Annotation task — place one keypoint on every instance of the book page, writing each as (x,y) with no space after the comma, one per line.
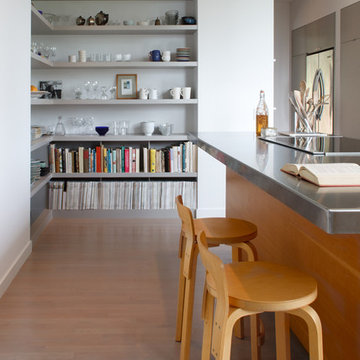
(336,174)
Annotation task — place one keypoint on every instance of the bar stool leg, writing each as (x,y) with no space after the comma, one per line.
(208,315)
(315,331)
(239,326)
(181,294)
(188,310)
(282,336)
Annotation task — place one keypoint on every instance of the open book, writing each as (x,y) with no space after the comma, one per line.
(336,174)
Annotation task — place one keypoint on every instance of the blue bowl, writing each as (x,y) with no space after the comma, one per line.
(188,20)
(102,130)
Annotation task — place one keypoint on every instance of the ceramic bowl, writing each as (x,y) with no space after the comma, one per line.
(147,127)
(188,20)
(101,130)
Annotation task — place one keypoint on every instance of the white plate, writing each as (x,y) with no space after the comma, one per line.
(38,94)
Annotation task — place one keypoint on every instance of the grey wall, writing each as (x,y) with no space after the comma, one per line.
(350,70)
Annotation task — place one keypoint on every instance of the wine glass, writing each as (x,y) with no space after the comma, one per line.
(103,95)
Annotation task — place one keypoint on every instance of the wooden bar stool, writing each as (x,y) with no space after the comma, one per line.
(234,232)
(248,288)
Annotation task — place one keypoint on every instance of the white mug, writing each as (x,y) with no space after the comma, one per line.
(143,93)
(175,93)
(186,93)
(153,94)
(166,55)
(72,58)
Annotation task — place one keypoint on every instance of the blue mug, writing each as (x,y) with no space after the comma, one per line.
(155,55)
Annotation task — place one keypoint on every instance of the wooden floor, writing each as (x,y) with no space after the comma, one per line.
(105,290)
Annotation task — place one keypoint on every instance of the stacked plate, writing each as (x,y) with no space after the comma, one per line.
(183,54)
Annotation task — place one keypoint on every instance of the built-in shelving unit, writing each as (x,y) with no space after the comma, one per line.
(182,111)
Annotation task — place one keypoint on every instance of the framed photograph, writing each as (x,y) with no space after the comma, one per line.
(126,86)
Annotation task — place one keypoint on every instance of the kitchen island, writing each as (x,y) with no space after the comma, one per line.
(316,230)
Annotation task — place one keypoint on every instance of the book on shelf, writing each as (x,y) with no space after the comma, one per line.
(326,174)
(100,159)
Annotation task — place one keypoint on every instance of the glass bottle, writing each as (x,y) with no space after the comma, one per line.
(262,114)
(60,128)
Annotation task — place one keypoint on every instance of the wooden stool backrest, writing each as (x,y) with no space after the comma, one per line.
(215,267)
(188,233)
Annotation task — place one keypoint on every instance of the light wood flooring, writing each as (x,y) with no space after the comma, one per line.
(96,289)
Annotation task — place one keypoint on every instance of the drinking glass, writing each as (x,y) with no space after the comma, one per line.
(123,127)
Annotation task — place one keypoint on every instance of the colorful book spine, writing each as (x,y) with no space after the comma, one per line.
(98,159)
(126,160)
(152,160)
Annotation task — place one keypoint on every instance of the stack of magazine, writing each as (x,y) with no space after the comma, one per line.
(120,195)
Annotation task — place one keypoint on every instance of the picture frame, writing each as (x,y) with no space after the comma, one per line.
(126,86)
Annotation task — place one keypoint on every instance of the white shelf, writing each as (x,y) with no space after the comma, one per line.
(39,25)
(39,184)
(125,64)
(60,102)
(122,175)
(39,62)
(40,142)
(124,30)
(119,138)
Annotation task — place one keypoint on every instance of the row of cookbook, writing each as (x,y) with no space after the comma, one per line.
(120,195)
(101,159)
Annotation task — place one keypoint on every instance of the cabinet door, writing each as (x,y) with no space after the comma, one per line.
(350,79)
(320,34)
(350,24)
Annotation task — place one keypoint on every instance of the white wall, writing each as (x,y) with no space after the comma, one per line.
(235,48)
(15,242)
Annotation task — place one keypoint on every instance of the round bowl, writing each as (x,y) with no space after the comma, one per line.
(101,130)
(188,20)
(147,127)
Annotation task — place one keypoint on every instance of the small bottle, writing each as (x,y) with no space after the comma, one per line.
(262,114)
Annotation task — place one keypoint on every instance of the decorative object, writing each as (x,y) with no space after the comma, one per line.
(157,21)
(309,109)
(90,21)
(126,86)
(53,87)
(102,130)
(101,18)
(80,21)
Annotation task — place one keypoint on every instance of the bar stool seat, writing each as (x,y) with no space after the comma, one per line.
(248,288)
(225,230)
(229,231)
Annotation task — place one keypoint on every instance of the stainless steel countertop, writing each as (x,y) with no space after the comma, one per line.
(336,210)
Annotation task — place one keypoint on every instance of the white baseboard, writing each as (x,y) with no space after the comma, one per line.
(15,267)
(201,213)
(40,224)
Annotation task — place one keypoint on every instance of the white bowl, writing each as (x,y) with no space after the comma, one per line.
(126,57)
(147,127)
